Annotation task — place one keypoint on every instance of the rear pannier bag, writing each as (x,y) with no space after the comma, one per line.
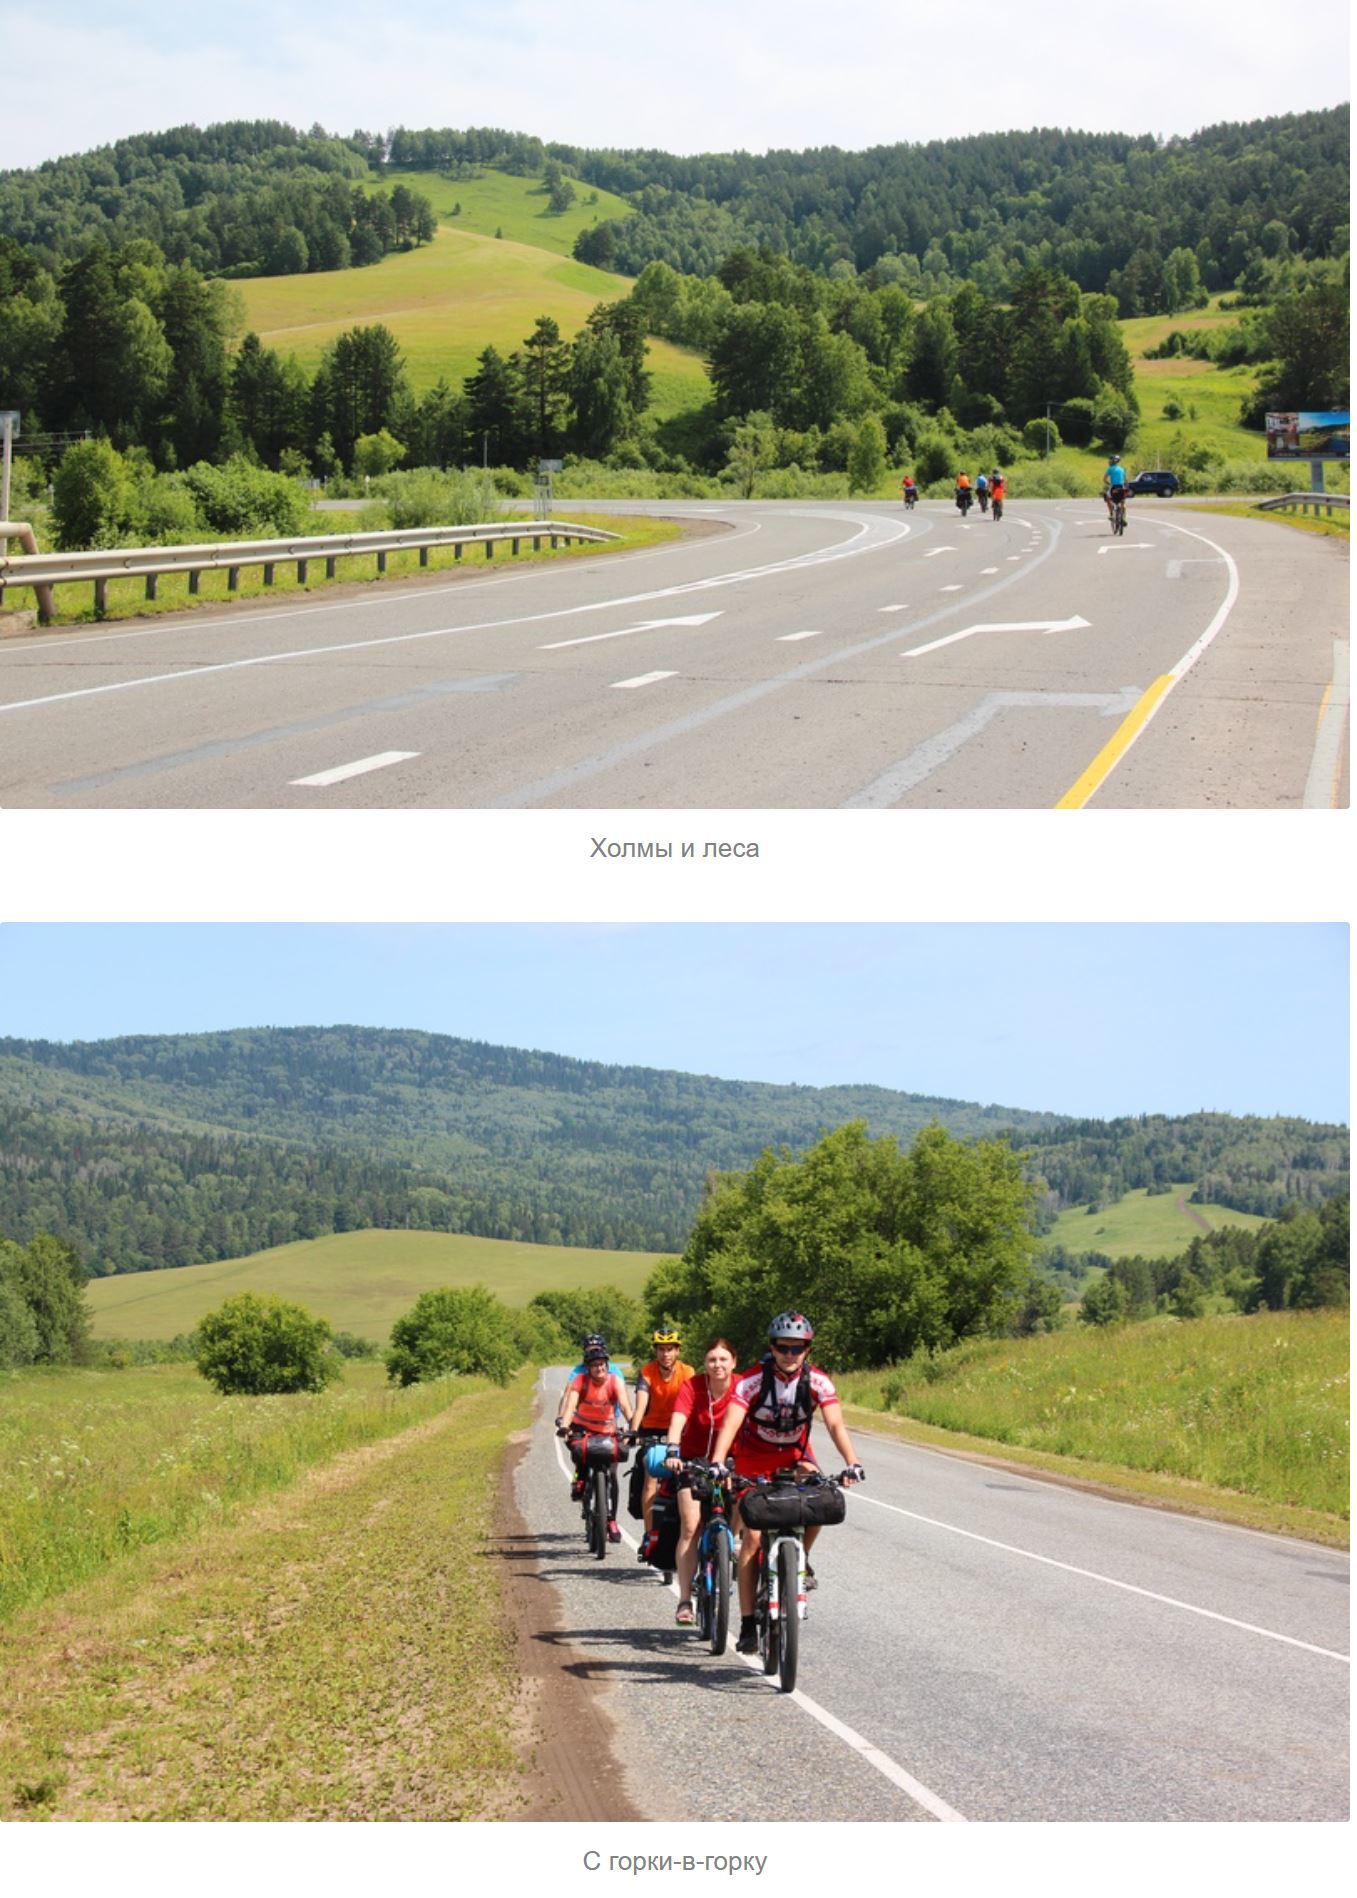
(785,1506)
(660,1546)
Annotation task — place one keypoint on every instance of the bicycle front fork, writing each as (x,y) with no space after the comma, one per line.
(775,1580)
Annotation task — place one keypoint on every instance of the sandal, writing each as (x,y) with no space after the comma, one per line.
(684,1615)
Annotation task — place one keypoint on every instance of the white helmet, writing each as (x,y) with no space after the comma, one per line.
(791,1324)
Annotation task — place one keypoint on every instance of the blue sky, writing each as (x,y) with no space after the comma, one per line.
(1097,1019)
(693,75)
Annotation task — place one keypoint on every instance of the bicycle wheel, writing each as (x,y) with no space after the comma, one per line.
(718,1576)
(598,1539)
(1121,517)
(790,1621)
(768,1628)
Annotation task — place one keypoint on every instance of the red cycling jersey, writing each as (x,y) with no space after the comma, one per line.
(597,1408)
(702,1416)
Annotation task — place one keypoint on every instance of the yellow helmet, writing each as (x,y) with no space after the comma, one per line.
(665,1337)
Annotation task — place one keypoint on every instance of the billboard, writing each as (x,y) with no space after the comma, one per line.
(1309,435)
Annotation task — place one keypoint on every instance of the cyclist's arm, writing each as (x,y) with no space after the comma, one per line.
(642,1402)
(568,1408)
(626,1406)
(730,1428)
(832,1416)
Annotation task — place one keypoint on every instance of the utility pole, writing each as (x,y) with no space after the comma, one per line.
(9,424)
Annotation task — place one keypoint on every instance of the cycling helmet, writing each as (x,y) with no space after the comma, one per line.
(791,1324)
(1116,460)
(596,1354)
(593,1341)
(997,475)
(665,1337)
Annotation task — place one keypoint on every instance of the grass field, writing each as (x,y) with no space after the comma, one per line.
(1153,1225)
(338,1650)
(446,301)
(497,201)
(1253,1407)
(360,1281)
(94,1464)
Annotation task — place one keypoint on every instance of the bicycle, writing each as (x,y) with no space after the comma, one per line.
(1119,515)
(782,1508)
(910,498)
(963,501)
(996,512)
(982,496)
(715,1553)
(602,1453)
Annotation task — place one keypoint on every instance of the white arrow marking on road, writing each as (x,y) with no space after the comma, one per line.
(1124,546)
(1000,626)
(645,678)
(645,626)
(932,551)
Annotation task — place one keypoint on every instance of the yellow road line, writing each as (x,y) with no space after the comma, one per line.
(1090,780)
(1323,705)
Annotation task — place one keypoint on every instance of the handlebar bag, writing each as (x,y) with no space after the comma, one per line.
(792,1506)
(601,1452)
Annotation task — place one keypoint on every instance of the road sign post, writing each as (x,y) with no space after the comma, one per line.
(9,427)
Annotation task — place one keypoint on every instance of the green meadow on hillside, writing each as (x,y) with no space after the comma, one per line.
(499,201)
(1151,1224)
(447,301)
(360,1281)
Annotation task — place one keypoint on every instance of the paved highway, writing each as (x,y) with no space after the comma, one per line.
(791,655)
(982,1646)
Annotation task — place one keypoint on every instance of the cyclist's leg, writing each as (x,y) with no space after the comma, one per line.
(612,1494)
(690,1518)
(746,1568)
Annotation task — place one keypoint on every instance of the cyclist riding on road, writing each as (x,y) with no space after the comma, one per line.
(767,1428)
(997,491)
(657,1385)
(909,491)
(1114,476)
(699,1410)
(592,1402)
(982,491)
(587,1343)
(964,497)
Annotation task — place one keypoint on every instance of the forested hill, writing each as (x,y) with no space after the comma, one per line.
(165,1150)
(1106,209)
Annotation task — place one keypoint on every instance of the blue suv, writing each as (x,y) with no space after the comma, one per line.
(1155,481)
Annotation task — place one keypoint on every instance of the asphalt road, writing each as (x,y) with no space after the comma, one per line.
(797,655)
(982,1646)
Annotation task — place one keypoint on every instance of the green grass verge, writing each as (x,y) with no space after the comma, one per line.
(94,1464)
(1242,1417)
(1151,1224)
(447,301)
(1337,528)
(127,598)
(341,1652)
(360,1281)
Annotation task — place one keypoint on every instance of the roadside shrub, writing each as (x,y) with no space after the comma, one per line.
(377,454)
(240,498)
(18,1332)
(465,1331)
(1041,436)
(349,1345)
(425,497)
(257,1345)
(932,461)
(163,511)
(92,494)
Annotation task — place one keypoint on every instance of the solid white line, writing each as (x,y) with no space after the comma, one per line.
(343,771)
(645,678)
(786,638)
(1109,1581)
(1322,784)
(883,1763)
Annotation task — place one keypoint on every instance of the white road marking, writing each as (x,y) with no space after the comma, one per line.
(904,608)
(1000,626)
(844,550)
(1109,1581)
(932,553)
(873,1756)
(1015,556)
(645,626)
(645,678)
(1124,546)
(342,771)
(787,638)
(1321,786)
(989,570)
(1174,569)
(955,588)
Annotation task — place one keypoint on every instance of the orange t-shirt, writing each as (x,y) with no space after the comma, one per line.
(663,1391)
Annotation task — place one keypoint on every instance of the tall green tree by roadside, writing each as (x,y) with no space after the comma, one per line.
(492,406)
(1308,339)
(360,388)
(256,1345)
(887,1252)
(43,1314)
(545,372)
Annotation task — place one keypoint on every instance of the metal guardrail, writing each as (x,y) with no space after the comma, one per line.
(42,572)
(1306,499)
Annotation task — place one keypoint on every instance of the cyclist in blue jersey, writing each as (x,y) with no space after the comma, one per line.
(1114,476)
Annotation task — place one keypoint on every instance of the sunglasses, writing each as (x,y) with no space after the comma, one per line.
(792,1347)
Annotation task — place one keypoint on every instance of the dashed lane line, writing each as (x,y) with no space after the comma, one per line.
(643,678)
(341,772)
